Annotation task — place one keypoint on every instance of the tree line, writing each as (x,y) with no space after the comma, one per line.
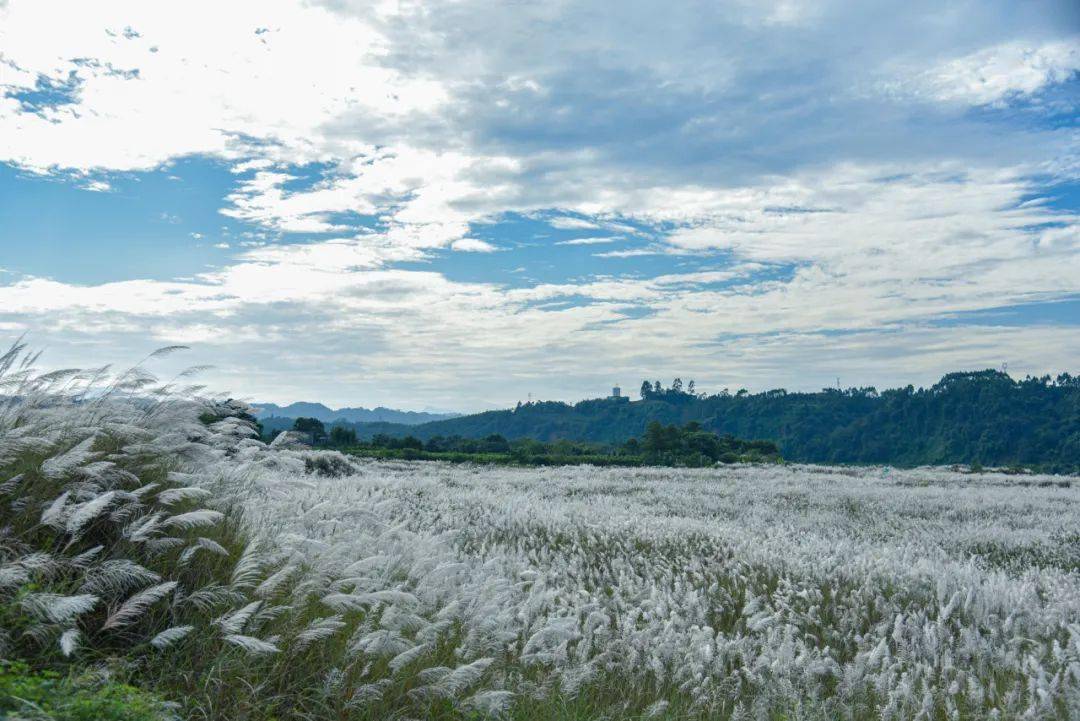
(689,445)
(980,417)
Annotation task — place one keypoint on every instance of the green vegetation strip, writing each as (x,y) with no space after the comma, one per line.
(688,446)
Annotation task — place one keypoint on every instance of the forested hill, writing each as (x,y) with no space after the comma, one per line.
(981,417)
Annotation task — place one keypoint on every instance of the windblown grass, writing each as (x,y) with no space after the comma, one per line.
(150,539)
(123,549)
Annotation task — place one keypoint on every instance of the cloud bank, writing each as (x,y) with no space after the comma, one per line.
(753,193)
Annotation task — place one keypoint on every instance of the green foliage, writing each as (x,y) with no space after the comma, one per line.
(661,446)
(48,696)
(983,416)
(691,445)
(311,427)
(342,436)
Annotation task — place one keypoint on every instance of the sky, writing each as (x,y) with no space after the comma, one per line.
(457,204)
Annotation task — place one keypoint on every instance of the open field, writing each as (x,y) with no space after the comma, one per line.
(800,590)
(160,545)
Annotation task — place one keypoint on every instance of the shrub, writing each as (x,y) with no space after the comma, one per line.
(25,694)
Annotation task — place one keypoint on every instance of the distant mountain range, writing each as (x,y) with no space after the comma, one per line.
(350,415)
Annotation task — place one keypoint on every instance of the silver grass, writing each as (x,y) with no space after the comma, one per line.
(59,375)
(558,630)
(39,562)
(656,709)
(464,676)
(490,703)
(84,559)
(369,693)
(42,634)
(116,577)
(286,440)
(381,643)
(11,484)
(353,601)
(57,608)
(170,636)
(85,513)
(319,630)
(768,617)
(254,646)
(55,513)
(399,619)
(11,356)
(208,598)
(99,471)
(346,601)
(143,490)
(194,519)
(127,432)
(426,694)
(203,544)
(353,583)
(432,632)
(409,656)
(333,682)
(267,614)
(573,678)
(13,575)
(276,581)
(433,674)
(177,495)
(70,641)
(586,570)
(249,566)
(58,466)
(137,605)
(142,529)
(162,544)
(234,622)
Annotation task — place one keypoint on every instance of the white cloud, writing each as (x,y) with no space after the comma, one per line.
(262,200)
(199,78)
(473,245)
(839,229)
(995,74)
(427,198)
(891,255)
(569,223)
(596,240)
(631,252)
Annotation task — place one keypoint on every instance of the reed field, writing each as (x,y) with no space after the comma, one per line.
(158,561)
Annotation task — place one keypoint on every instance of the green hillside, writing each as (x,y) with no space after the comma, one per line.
(982,417)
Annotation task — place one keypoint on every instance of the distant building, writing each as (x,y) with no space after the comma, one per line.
(616,395)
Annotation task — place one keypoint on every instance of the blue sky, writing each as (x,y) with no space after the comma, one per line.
(459,204)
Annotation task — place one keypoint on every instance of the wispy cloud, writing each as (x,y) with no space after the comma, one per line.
(631,252)
(993,75)
(570,223)
(813,191)
(473,245)
(595,240)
